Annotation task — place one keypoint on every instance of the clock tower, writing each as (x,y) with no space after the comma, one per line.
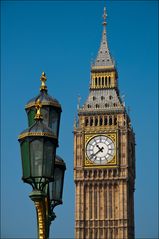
(104,156)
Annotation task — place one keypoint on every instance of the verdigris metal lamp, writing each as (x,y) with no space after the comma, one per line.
(56,187)
(42,169)
(38,150)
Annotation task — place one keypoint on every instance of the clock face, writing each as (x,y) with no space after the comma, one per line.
(100,149)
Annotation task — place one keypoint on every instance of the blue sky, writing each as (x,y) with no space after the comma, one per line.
(61,38)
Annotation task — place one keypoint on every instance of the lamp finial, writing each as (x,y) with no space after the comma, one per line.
(43,79)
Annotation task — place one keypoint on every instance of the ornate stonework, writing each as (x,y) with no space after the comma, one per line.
(105,176)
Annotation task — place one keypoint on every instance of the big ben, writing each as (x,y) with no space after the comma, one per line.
(104,156)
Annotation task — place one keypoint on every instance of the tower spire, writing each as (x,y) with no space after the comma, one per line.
(103,57)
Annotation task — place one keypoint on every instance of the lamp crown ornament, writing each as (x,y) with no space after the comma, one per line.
(43,80)
(38,106)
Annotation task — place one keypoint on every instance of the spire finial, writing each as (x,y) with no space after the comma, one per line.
(38,106)
(43,79)
(104,17)
(78,104)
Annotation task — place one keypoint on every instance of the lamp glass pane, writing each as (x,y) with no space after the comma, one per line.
(25,159)
(45,114)
(56,186)
(36,157)
(31,116)
(54,121)
(49,155)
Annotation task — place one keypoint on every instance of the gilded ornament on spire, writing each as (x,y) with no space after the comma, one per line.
(43,79)
(38,106)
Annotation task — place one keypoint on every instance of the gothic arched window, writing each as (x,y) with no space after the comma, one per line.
(106,80)
(96,121)
(110,120)
(101,121)
(115,120)
(96,81)
(105,121)
(109,81)
(97,106)
(102,97)
(91,121)
(102,80)
(89,106)
(86,122)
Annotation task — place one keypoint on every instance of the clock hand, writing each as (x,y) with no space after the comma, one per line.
(100,149)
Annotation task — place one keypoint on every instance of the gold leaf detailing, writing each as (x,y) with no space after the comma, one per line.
(41,219)
(32,104)
(43,80)
(38,106)
(29,134)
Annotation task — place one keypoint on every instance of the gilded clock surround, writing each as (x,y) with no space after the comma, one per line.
(112,163)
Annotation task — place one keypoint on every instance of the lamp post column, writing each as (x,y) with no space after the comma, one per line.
(38,198)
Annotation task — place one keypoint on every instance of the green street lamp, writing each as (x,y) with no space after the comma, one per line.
(56,187)
(38,150)
(41,168)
